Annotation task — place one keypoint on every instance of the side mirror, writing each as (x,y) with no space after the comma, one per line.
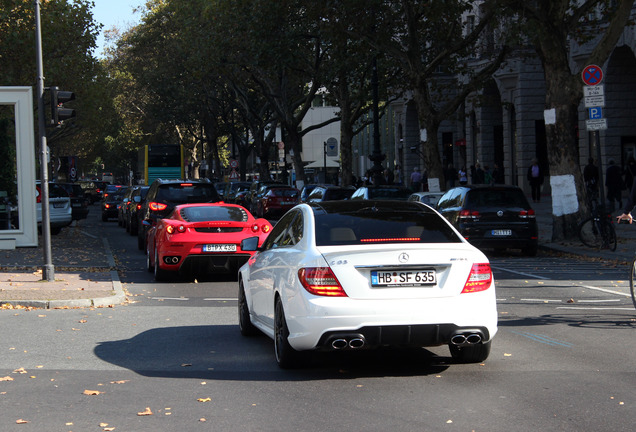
(249,244)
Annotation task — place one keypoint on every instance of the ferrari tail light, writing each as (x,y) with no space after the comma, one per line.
(171,229)
(320,281)
(264,228)
(479,279)
(155,206)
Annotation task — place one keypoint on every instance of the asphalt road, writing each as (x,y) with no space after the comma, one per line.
(562,360)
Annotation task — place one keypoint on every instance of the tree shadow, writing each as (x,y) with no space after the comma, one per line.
(221,353)
(604,321)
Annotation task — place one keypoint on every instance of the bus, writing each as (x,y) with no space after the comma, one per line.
(162,161)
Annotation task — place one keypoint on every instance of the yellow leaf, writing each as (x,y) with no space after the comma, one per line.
(92,392)
(20,421)
(204,400)
(7,378)
(147,412)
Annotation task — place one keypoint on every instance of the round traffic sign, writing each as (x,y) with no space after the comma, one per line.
(234,163)
(592,75)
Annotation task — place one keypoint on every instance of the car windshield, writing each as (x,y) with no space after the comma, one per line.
(496,198)
(183,193)
(214,213)
(372,225)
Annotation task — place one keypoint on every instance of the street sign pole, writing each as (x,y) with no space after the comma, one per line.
(48,271)
(594,94)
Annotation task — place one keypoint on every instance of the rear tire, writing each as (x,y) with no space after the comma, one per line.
(245,324)
(286,356)
(160,274)
(632,281)
(471,353)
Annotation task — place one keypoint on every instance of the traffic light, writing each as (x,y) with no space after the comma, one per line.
(58,112)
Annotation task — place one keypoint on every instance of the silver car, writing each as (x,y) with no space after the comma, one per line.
(60,210)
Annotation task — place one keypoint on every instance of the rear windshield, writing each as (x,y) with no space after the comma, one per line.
(183,193)
(57,191)
(284,193)
(389,193)
(370,226)
(337,194)
(496,198)
(214,213)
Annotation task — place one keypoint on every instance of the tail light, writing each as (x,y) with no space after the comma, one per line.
(264,228)
(38,195)
(527,214)
(320,281)
(155,206)
(469,214)
(171,229)
(138,206)
(479,279)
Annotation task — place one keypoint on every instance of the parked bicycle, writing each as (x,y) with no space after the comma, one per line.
(597,231)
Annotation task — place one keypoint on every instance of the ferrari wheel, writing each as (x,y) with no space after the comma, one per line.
(160,274)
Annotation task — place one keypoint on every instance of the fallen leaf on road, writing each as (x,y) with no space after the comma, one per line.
(507,355)
(119,382)
(147,412)
(20,371)
(202,420)
(20,421)
(92,392)
(7,378)
(204,399)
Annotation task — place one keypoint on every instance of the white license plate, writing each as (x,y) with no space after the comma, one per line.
(501,232)
(403,278)
(219,248)
(59,205)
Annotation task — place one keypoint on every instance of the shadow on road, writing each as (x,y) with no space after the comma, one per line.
(220,353)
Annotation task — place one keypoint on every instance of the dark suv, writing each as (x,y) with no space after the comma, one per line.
(164,195)
(497,217)
(79,201)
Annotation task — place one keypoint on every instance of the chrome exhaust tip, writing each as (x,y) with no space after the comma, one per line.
(356,343)
(339,344)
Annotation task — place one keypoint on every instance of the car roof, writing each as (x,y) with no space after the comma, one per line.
(348,206)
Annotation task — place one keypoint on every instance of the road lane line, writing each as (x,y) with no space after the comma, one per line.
(519,273)
(220,299)
(169,298)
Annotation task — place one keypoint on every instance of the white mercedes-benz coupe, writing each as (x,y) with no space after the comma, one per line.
(354,275)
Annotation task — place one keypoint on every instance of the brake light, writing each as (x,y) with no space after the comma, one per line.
(527,214)
(38,195)
(155,206)
(171,229)
(186,184)
(138,206)
(469,214)
(479,279)
(320,281)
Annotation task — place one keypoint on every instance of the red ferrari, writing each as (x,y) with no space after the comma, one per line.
(202,238)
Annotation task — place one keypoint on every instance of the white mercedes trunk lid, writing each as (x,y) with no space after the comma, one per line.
(400,266)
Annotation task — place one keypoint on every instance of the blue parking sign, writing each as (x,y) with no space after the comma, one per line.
(595,113)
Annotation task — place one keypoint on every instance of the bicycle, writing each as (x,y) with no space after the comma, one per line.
(597,231)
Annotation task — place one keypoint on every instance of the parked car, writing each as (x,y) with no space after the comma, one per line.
(134,205)
(275,200)
(79,201)
(233,189)
(60,210)
(164,195)
(382,192)
(496,216)
(351,275)
(429,198)
(198,239)
(113,196)
(330,193)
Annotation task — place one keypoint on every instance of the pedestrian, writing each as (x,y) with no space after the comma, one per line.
(590,176)
(498,175)
(450,174)
(398,175)
(416,180)
(614,184)
(629,205)
(630,172)
(463,177)
(487,175)
(535,177)
(479,177)
(388,176)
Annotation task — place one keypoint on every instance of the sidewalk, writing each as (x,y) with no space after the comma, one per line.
(86,274)
(84,267)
